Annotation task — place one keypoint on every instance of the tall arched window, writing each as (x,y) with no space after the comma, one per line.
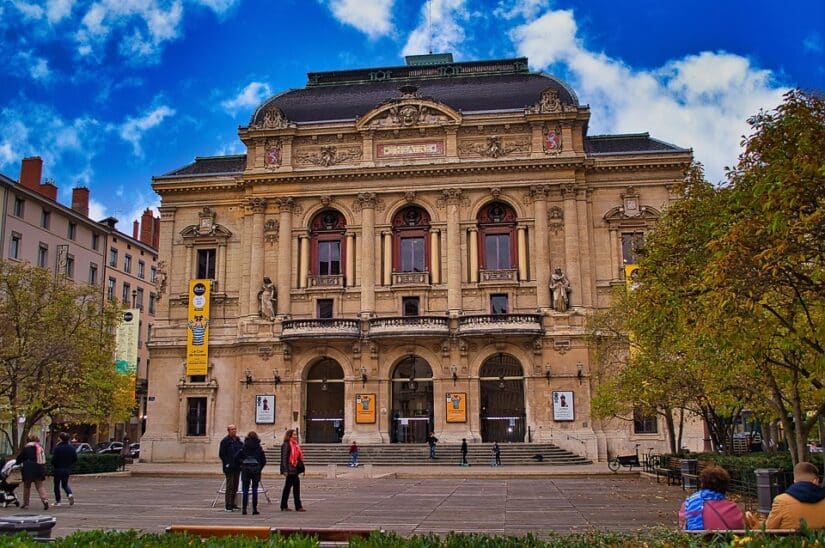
(410,227)
(328,243)
(496,232)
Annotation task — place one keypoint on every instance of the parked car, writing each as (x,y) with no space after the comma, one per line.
(109,447)
(134,450)
(815,447)
(82,448)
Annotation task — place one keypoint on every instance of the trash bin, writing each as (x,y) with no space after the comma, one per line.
(35,525)
(690,469)
(769,483)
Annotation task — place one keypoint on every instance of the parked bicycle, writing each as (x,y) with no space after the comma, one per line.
(628,461)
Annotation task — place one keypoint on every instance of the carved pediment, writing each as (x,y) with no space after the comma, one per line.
(273,118)
(644,213)
(206,229)
(409,111)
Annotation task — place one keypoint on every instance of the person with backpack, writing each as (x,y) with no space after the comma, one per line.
(63,458)
(251,461)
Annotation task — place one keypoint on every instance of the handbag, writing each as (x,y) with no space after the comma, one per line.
(300,469)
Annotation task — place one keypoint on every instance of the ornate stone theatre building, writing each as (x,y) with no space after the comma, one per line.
(402,250)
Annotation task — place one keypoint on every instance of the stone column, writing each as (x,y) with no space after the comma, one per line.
(256,257)
(583,206)
(614,261)
(286,205)
(190,260)
(303,261)
(571,244)
(472,236)
(387,258)
(452,198)
(522,253)
(350,260)
(365,202)
(542,267)
(435,258)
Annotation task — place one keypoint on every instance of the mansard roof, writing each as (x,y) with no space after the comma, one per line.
(627,143)
(478,86)
(211,165)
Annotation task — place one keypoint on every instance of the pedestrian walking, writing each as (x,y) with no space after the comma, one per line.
(64,456)
(292,466)
(124,451)
(33,459)
(497,453)
(353,455)
(432,441)
(251,461)
(229,447)
(464,450)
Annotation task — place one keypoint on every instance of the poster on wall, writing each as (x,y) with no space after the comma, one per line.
(563,409)
(265,409)
(456,407)
(127,335)
(365,408)
(197,326)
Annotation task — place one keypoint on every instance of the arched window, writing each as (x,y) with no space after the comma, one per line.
(410,227)
(328,243)
(496,232)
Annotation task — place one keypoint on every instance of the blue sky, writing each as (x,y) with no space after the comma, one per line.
(112,92)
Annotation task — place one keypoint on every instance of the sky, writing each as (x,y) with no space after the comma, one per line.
(113,92)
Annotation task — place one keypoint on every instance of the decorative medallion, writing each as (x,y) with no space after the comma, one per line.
(548,102)
(552,141)
(272,154)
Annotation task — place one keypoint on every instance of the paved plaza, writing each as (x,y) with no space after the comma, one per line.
(437,503)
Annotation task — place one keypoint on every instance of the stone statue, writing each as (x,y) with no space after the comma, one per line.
(268,300)
(560,287)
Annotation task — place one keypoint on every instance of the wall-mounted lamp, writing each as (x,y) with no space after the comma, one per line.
(363,376)
(248,377)
(454,371)
(501,382)
(579,371)
(547,373)
(324,384)
(276,377)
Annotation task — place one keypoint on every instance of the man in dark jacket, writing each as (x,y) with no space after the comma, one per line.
(231,444)
(63,458)
(464,450)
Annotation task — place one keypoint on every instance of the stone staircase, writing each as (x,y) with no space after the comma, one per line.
(402,454)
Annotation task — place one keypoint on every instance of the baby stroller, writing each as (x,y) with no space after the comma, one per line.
(10,477)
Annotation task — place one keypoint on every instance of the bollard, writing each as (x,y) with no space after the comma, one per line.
(690,469)
(331,471)
(769,483)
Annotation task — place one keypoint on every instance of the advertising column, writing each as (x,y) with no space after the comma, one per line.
(197,338)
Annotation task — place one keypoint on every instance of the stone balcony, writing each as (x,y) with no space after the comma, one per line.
(500,324)
(410,326)
(336,328)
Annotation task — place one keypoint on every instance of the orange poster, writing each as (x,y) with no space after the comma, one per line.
(456,407)
(364,408)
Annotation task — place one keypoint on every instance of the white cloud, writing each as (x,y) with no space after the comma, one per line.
(133,129)
(372,17)
(29,11)
(526,9)
(57,10)
(440,28)
(251,96)
(701,101)
(218,6)
(40,70)
(139,202)
(813,42)
(97,210)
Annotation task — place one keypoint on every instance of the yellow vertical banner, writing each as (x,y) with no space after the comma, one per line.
(126,346)
(365,408)
(456,407)
(197,327)
(630,273)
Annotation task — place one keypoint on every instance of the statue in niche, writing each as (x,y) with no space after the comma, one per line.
(560,287)
(268,300)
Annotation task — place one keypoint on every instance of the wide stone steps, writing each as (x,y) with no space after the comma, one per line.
(418,454)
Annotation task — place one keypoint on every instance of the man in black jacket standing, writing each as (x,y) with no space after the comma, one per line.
(63,457)
(230,445)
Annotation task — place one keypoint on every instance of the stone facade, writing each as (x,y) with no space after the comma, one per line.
(412,248)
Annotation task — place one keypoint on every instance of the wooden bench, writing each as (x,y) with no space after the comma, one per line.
(206,531)
(670,469)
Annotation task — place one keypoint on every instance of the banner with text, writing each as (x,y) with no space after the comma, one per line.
(126,345)
(197,338)
(365,408)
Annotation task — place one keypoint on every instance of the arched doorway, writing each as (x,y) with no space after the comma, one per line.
(502,399)
(325,402)
(412,401)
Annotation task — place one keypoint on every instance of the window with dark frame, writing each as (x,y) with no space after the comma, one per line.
(139,298)
(43,256)
(152,299)
(113,257)
(644,423)
(496,231)
(410,306)
(410,227)
(127,263)
(70,266)
(153,274)
(92,274)
(46,219)
(14,245)
(110,289)
(19,207)
(632,242)
(125,299)
(72,234)
(95,241)
(206,264)
(195,416)
(498,304)
(329,258)
(328,251)
(324,308)
(497,251)
(141,270)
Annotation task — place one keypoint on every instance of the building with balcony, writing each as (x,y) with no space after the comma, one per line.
(403,250)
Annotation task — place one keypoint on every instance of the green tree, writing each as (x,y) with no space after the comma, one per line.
(56,352)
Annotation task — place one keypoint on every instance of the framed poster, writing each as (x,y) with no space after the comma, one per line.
(563,408)
(265,409)
(365,408)
(456,407)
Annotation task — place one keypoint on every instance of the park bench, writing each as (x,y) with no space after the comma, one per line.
(700,465)
(670,469)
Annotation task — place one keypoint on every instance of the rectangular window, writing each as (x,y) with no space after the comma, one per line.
(329,258)
(127,263)
(498,304)
(113,257)
(412,255)
(153,274)
(410,306)
(152,299)
(45,219)
(631,243)
(644,423)
(72,234)
(92,274)
(110,289)
(497,252)
(206,264)
(43,256)
(125,296)
(324,309)
(141,270)
(14,245)
(19,207)
(195,416)
(70,266)
(95,241)
(139,298)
